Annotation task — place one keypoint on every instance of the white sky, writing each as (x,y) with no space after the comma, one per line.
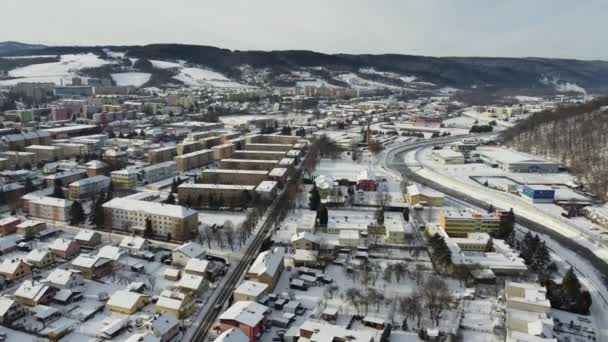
(548,28)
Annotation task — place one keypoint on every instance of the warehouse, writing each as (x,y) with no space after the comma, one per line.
(248,164)
(209,195)
(240,177)
(193,160)
(265,155)
(538,193)
(448,157)
(513,161)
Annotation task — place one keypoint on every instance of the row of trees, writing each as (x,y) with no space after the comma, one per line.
(440,253)
(569,295)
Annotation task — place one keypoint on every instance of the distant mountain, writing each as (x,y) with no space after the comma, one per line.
(288,68)
(11,47)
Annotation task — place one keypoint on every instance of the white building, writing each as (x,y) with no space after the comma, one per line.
(528,312)
(87,187)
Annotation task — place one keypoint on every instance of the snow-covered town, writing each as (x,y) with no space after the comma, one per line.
(158,199)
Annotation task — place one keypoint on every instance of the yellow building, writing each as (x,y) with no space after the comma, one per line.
(125,179)
(126,302)
(417,194)
(177,303)
(460,222)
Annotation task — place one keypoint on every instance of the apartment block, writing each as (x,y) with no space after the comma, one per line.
(248,164)
(168,221)
(161,154)
(269,147)
(193,160)
(264,155)
(223,151)
(45,152)
(240,177)
(50,208)
(204,195)
(89,187)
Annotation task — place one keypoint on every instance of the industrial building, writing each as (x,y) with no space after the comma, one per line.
(513,161)
(448,156)
(417,194)
(538,193)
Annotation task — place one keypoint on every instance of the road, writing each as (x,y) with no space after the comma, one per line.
(225,289)
(594,276)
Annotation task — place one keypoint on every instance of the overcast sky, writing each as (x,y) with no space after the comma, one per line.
(544,28)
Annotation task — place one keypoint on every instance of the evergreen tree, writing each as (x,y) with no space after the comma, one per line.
(96,216)
(58,189)
(323,216)
(380,216)
(584,303)
(29,186)
(174,186)
(2,196)
(148,230)
(489,245)
(314,200)
(490,209)
(571,286)
(541,258)
(170,199)
(76,213)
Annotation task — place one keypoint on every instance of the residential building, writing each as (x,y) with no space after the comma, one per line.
(162,154)
(199,267)
(182,254)
(208,195)
(125,179)
(64,248)
(306,240)
(248,316)
(31,294)
(65,177)
(223,151)
(181,305)
(239,177)
(397,231)
(13,269)
(267,267)
(164,326)
(116,159)
(158,172)
(193,160)
(134,244)
(39,258)
(65,279)
(166,220)
(232,335)
(191,284)
(126,302)
(250,290)
(89,187)
(264,155)
(8,225)
(92,266)
(88,238)
(45,152)
(10,310)
(248,164)
(313,330)
(50,208)
(97,168)
(528,313)
(29,228)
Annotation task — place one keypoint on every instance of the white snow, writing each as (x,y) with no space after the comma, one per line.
(360,83)
(164,64)
(68,66)
(32,56)
(136,79)
(115,54)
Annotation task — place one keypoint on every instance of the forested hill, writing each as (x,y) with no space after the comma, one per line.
(575,135)
(493,74)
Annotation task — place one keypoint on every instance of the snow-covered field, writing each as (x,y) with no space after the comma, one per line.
(68,66)
(135,79)
(198,77)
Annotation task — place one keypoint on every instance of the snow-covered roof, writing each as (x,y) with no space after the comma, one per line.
(217,186)
(60,244)
(37,255)
(30,290)
(124,299)
(110,252)
(197,265)
(60,276)
(191,249)
(9,266)
(96,164)
(232,335)
(6,303)
(171,299)
(51,201)
(306,236)
(162,323)
(89,180)
(323,331)
(266,186)
(324,182)
(133,242)
(85,235)
(151,208)
(251,288)
(190,282)
(245,312)
(277,172)
(267,262)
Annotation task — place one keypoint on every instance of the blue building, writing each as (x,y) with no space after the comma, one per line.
(539,193)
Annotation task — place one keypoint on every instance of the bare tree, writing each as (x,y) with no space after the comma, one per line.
(400,270)
(437,297)
(229,233)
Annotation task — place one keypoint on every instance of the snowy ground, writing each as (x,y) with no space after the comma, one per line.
(135,79)
(68,66)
